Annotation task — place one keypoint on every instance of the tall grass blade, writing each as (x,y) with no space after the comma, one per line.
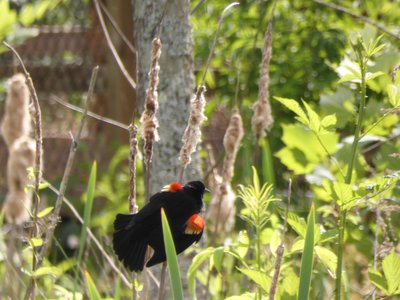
(308,257)
(172,260)
(94,294)
(86,219)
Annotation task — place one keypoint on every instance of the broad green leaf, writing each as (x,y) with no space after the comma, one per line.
(172,260)
(307,259)
(391,269)
(92,289)
(218,257)
(295,107)
(258,277)
(328,121)
(378,280)
(243,244)
(298,224)
(45,212)
(328,258)
(328,235)
(343,192)
(370,76)
(394,95)
(314,122)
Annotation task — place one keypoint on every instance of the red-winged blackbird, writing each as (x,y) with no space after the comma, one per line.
(133,233)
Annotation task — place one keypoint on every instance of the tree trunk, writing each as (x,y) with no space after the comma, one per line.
(176,83)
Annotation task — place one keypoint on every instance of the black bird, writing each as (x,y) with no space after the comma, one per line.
(134,232)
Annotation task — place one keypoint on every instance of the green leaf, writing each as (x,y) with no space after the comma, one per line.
(172,260)
(298,224)
(258,277)
(328,235)
(307,258)
(370,76)
(394,95)
(92,289)
(391,269)
(344,193)
(328,121)
(295,107)
(314,122)
(42,271)
(197,261)
(245,296)
(36,242)
(217,257)
(328,258)
(378,280)
(45,212)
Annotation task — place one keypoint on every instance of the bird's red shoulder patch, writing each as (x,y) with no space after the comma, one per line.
(194,225)
(172,187)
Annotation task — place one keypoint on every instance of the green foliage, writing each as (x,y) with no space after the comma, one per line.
(388,282)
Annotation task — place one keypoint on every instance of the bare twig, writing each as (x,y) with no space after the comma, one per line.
(162,281)
(281,249)
(360,17)
(197,6)
(117,28)
(90,114)
(210,55)
(63,185)
(112,47)
(38,158)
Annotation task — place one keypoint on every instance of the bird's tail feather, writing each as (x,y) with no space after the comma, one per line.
(130,248)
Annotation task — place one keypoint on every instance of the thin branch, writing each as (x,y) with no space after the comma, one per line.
(210,55)
(360,17)
(38,159)
(90,114)
(281,249)
(92,236)
(63,185)
(112,47)
(197,6)
(117,28)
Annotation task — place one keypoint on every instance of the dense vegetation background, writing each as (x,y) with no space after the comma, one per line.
(332,149)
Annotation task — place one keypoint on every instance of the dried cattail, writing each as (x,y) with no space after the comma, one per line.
(232,139)
(221,209)
(192,134)
(148,120)
(21,158)
(262,118)
(17,120)
(17,205)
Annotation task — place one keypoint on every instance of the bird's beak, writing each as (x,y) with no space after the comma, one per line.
(207,190)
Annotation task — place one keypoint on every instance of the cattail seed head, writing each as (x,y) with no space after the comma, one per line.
(17,120)
(232,139)
(148,120)
(192,135)
(17,205)
(262,119)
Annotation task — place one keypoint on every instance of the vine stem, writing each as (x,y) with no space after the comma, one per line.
(343,211)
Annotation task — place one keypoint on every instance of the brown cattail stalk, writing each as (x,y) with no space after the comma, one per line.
(192,135)
(15,128)
(148,120)
(133,151)
(17,120)
(222,204)
(262,119)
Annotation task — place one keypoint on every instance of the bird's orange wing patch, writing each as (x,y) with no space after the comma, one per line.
(194,225)
(172,187)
